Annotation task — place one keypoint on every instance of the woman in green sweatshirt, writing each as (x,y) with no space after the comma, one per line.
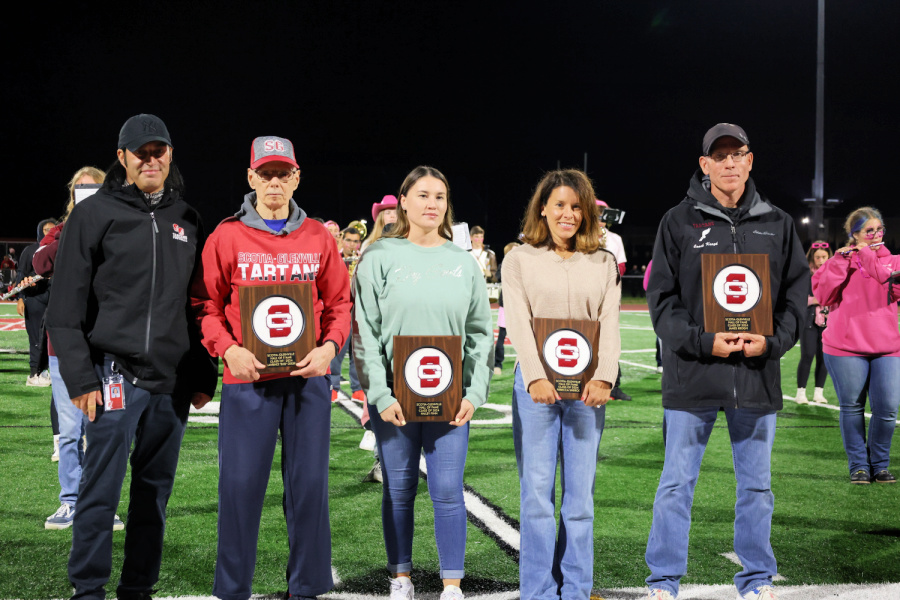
(416,281)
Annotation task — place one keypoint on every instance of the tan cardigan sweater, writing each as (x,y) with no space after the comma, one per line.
(537,282)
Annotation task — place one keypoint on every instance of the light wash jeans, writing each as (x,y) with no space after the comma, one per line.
(687,432)
(445,449)
(568,433)
(849,374)
(71,429)
(337,362)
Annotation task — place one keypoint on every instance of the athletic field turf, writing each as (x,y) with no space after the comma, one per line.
(825,532)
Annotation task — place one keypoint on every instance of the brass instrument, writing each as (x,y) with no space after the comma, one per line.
(360,226)
(351,261)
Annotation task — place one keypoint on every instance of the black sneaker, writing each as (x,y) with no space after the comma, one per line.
(618,394)
(861,476)
(884,476)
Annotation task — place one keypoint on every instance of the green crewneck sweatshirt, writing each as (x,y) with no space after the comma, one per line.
(405,289)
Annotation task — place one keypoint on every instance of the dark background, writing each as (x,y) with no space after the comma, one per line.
(491,93)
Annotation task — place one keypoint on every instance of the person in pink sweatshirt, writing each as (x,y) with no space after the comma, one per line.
(862,342)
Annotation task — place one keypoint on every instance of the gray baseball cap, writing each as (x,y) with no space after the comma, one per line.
(143,128)
(268,148)
(723,130)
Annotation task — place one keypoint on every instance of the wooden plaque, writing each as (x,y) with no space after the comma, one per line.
(568,349)
(277,324)
(428,376)
(737,293)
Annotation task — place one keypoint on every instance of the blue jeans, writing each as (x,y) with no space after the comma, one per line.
(336,363)
(445,449)
(687,432)
(850,375)
(567,432)
(71,428)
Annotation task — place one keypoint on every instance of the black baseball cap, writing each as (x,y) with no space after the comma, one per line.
(723,130)
(143,128)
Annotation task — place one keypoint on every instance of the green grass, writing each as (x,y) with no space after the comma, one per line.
(824,531)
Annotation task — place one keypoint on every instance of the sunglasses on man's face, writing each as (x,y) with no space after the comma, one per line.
(818,245)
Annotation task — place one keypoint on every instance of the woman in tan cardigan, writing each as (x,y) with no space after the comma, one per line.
(560,272)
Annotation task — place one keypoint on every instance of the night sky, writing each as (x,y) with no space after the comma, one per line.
(491,93)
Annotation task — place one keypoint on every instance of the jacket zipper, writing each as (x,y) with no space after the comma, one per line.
(734,367)
(152,284)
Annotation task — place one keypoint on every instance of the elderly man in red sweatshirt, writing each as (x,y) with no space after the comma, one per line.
(271,240)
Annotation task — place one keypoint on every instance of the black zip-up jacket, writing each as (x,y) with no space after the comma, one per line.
(121,289)
(692,376)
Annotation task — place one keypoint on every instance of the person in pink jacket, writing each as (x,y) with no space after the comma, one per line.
(862,342)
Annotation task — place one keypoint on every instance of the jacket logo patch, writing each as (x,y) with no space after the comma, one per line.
(703,225)
(179,233)
(704,233)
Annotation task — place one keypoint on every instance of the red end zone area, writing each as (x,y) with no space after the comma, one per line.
(12,324)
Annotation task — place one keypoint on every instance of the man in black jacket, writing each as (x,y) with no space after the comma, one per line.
(706,372)
(129,352)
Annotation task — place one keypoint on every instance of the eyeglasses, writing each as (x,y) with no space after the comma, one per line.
(736,156)
(269,175)
(144,154)
(871,233)
(818,245)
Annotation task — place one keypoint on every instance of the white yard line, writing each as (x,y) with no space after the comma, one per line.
(505,409)
(843,591)
(830,407)
(634,364)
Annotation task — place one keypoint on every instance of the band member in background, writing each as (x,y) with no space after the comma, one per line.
(560,272)
(71,419)
(350,255)
(271,240)
(811,334)
(384,214)
(486,257)
(129,352)
(862,343)
(707,372)
(415,281)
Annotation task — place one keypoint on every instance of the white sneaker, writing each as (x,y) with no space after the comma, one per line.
(118,525)
(402,589)
(451,592)
(659,594)
(367,442)
(37,381)
(659,370)
(763,592)
(45,376)
(819,396)
(497,371)
(801,396)
(62,518)
(55,456)
(375,473)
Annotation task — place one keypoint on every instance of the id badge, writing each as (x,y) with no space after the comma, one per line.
(114,392)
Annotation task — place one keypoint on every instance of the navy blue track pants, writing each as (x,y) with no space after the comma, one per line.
(250,417)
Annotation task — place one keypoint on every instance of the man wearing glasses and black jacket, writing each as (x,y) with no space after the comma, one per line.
(705,372)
